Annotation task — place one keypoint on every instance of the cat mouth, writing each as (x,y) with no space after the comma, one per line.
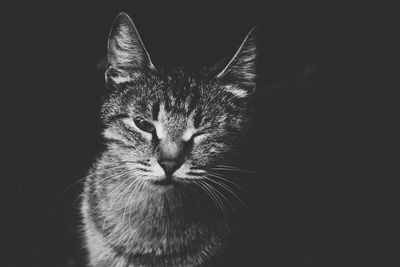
(165,181)
(171,181)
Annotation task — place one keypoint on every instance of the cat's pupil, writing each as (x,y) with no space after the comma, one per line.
(144,125)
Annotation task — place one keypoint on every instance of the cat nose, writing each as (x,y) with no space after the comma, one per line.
(169,166)
(170,158)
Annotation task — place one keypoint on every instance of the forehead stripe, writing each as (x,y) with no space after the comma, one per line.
(156,110)
(197,118)
(194,100)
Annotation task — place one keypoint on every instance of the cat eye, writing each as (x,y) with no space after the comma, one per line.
(144,125)
(197,134)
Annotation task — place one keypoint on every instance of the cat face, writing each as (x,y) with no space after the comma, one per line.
(174,126)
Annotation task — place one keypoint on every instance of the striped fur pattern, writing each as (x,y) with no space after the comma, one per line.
(133,215)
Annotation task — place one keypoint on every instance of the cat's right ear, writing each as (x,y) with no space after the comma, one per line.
(239,75)
(127,57)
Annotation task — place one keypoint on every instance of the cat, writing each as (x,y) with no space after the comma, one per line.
(152,197)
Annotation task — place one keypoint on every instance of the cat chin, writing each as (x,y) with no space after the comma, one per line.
(171,181)
(164,181)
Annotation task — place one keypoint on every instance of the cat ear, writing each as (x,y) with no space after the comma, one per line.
(239,75)
(127,56)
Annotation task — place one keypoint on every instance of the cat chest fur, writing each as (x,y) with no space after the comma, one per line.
(157,230)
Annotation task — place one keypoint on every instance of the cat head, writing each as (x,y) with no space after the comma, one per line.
(175,125)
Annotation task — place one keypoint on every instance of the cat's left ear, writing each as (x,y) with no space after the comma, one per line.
(239,75)
(126,54)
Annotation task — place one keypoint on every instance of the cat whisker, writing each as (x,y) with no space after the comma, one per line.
(134,184)
(89,175)
(227,188)
(105,179)
(117,199)
(219,194)
(226,179)
(138,188)
(235,169)
(215,198)
(127,173)
(223,197)
(122,164)
(219,191)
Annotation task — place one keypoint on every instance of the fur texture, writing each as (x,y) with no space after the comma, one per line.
(135,212)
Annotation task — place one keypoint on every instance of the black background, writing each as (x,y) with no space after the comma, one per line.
(324,124)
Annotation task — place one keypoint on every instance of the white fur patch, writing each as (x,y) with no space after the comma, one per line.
(129,122)
(119,76)
(156,170)
(160,130)
(238,92)
(182,171)
(187,135)
(109,134)
(161,133)
(121,79)
(198,138)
